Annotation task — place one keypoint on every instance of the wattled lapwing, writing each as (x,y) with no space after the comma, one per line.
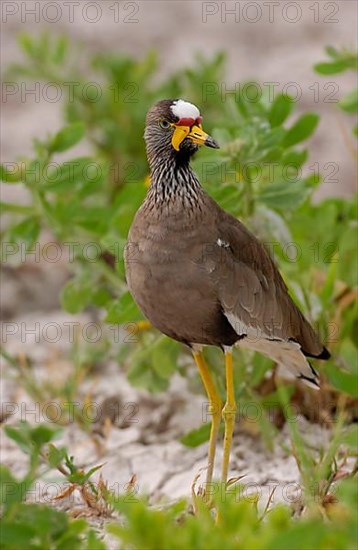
(200,277)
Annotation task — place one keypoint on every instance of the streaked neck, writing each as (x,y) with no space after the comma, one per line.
(173,181)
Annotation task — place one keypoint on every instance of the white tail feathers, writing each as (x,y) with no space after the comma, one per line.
(287,354)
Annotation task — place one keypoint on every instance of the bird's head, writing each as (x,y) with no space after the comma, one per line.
(174,126)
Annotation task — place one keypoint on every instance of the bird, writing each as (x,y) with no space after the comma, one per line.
(202,278)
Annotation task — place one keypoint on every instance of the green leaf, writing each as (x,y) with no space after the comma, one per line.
(349,102)
(16,535)
(60,50)
(13,176)
(42,434)
(20,434)
(164,357)
(7,207)
(331,67)
(26,231)
(94,219)
(332,52)
(273,398)
(123,310)
(295,158)
(27,44)
(350,438)
(301,130)
(101,297)
(313,180)
(76,295)
(37,526)
(94,542)
(81,477)
(348,352)
(68,175)
(342,60)
(284,195)
(27,436)
(91,471)
(347,256)
(273,224)
(67,137)
(55,455)
(271,155)
(128,201)
(328,288)
(197,437)
(280,110)
(11,489)
(343,381)
(142,375)
(272,138)
(114,245)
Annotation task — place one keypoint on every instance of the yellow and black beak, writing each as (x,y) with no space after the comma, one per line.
(195,133)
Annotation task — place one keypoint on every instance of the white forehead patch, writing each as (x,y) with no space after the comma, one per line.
(184,109)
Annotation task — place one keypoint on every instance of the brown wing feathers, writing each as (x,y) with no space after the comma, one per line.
(257,294)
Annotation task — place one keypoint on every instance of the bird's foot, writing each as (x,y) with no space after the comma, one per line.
(210,495)
(202,495)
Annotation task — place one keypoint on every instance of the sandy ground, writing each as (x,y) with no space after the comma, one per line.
(144,440)
(282,50)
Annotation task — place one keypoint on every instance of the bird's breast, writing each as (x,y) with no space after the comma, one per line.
(169,271)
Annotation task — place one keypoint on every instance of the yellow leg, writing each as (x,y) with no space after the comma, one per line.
(215,407)
(228,413)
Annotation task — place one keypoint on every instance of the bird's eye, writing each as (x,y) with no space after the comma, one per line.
(164,124)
